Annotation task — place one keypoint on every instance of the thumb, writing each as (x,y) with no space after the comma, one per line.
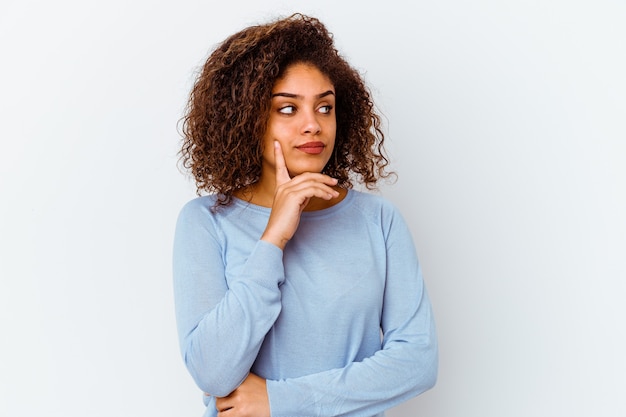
(282,174)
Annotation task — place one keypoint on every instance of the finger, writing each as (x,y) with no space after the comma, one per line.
(325,193)
(222,403)
(282,174)
(226,413)
(314,177)
(310,187)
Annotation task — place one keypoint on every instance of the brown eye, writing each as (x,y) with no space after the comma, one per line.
(325,109)
(287,110)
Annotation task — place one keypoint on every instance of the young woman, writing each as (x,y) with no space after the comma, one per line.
(295,294)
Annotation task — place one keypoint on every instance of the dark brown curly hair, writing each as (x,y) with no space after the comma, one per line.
(229,105)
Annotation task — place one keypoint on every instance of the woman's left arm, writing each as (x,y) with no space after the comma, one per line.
(405,366)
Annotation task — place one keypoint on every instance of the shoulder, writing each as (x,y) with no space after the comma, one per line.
(378,209)
(373,204)
(199,206)
(204,212)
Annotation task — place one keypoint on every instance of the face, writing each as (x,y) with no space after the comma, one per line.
(302,120)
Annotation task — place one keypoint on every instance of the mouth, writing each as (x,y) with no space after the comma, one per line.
(312,148)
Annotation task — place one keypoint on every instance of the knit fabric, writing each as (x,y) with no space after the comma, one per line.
(339,323)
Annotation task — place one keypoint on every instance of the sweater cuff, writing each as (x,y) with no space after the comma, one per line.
(265,265)
(283,401)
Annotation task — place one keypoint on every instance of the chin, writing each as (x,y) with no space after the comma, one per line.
(302,169)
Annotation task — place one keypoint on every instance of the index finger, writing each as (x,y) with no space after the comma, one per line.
(282,174)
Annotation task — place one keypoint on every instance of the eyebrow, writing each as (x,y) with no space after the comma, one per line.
(300,97)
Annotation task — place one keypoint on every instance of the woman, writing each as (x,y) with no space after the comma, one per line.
(285,277)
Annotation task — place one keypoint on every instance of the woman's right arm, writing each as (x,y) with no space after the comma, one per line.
(221,326)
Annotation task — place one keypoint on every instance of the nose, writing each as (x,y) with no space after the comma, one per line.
(310,124)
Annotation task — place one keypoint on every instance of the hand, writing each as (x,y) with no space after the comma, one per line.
(248,400)
(291,197)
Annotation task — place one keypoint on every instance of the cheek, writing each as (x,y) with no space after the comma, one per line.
(332,127)
(333,133)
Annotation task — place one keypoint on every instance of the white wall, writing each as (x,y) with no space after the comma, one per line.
(507,125)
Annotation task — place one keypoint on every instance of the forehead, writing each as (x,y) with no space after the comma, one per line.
(305,77)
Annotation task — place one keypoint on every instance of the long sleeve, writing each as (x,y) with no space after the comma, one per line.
(222,315)
(406,364)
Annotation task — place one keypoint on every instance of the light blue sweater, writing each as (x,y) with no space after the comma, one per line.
(309,320)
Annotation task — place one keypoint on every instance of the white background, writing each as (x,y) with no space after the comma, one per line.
(506,123)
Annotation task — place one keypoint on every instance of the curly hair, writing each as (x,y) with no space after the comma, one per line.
(229,106)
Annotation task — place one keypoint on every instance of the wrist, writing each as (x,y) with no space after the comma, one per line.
(275,240)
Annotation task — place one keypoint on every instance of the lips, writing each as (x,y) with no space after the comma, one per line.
(312,148)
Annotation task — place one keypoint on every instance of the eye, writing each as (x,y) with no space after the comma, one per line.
(325,109)
(287,109)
